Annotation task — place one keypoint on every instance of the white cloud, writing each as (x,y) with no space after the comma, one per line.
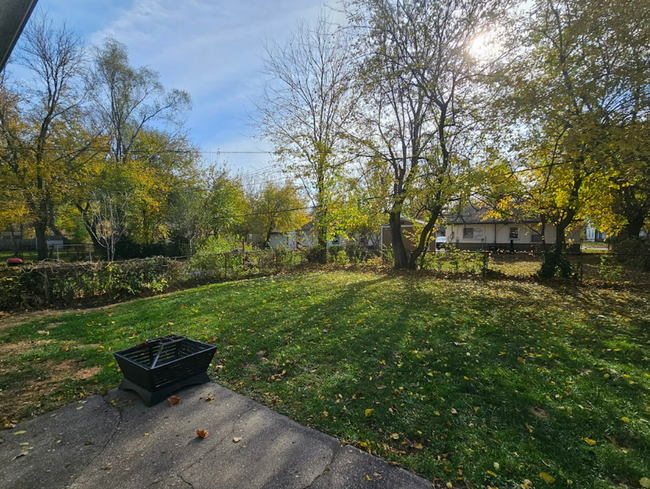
(213,50)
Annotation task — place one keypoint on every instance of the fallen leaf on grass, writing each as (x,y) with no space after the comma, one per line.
(548,478)
(202,433)
(369,412)
(589,441)
(453,411)
(19,432)
(236,439)
(173,400)
(645,482)
(66,348)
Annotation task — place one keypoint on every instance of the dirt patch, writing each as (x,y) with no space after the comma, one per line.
(539,412)
(24,399)
(87,373)
(8,321)
(11,349)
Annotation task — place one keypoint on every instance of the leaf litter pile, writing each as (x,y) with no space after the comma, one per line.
(469,383)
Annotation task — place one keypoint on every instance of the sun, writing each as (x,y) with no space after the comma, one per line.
(483,45)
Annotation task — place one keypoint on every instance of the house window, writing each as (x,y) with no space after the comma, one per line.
(514,233)
(535,238)
(473,233)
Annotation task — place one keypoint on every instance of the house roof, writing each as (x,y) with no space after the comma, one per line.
(474,214)
(408,222)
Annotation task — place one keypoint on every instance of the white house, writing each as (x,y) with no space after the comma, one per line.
(473,229)
(303,238)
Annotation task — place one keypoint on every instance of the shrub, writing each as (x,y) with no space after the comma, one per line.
(555,263)
(65,284)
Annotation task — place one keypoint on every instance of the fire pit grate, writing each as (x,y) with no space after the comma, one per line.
(157,368)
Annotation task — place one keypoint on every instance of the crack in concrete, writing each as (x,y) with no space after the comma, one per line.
(105,445)
(180,476)
(335,452)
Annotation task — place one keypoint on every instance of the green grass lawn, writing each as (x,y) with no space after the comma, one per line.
(475,383)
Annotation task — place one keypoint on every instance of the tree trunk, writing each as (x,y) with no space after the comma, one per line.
(560,238)
(424,239)
(632,229)
(40,228)
(399,250)
(267,239)
(83,211)
(321,253)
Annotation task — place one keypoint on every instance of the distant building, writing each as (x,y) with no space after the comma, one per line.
(473,229)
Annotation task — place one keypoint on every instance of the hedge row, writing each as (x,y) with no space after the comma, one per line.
(67,284)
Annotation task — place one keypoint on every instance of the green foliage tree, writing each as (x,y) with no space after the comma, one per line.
(305,111)
(38,125)
(276,207)
(419,85)
(578,86)
(143,155)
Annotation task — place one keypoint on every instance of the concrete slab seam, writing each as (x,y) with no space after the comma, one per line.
(326,468)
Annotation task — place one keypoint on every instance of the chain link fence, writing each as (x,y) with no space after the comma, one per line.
(594,267)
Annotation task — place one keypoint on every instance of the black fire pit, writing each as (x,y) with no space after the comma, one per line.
(157,368)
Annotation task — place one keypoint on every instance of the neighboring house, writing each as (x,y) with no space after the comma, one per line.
(305,237)
(408,235)
(594,235)
(473,229)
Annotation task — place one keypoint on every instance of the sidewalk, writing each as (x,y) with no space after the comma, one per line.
(115,441)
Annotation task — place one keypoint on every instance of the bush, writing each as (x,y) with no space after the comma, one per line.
(454,260)
(556,264)
(66,284)
(633,250)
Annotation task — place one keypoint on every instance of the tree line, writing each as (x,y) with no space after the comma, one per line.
(401,109)
(95,148)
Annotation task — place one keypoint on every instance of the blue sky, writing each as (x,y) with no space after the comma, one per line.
(211,49)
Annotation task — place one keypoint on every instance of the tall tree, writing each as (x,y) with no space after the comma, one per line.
(580,82)
(146,150)
(38,122)
(305,109)
(420,83)
(128,100)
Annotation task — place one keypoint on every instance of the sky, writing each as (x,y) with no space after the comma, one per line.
(212,49)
